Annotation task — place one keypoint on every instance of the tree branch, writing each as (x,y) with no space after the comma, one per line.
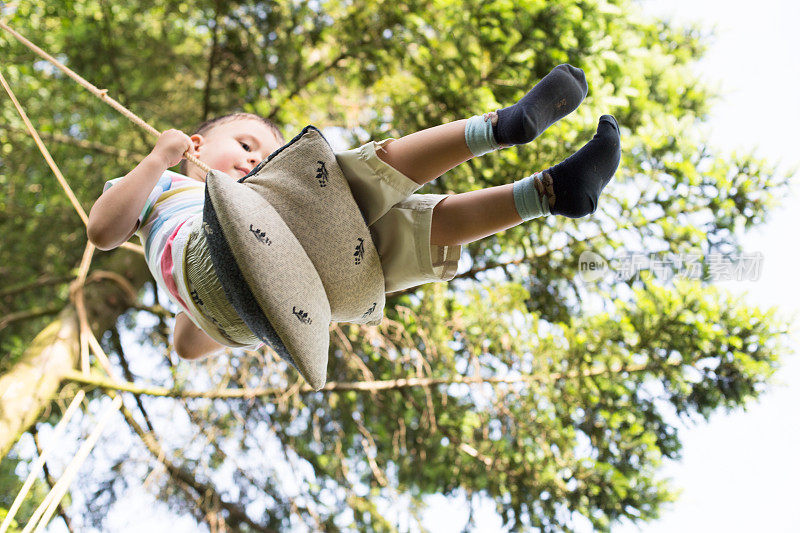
(29,313)
(126,371)
(369,386)
(211,60)
(67,139)
(205,491)
(473,272)
(41,282)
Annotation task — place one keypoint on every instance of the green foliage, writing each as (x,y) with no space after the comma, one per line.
(587,430)
(10,485)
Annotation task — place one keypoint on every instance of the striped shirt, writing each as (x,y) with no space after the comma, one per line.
(174,200)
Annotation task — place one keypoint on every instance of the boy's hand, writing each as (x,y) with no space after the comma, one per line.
(171,146)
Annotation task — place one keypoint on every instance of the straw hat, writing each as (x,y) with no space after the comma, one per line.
(293,252)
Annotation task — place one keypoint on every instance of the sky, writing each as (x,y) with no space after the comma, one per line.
(738,471)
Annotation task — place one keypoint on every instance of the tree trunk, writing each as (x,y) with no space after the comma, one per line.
(27,388)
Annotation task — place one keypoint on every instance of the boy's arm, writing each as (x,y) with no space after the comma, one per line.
(190,341)
(113,217)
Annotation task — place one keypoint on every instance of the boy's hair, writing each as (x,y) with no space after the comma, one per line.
(210,124)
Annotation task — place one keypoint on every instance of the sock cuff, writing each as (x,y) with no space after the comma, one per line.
(527,200)
(479,136)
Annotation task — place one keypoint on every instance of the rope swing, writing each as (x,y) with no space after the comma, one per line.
(88,341)
(102,94)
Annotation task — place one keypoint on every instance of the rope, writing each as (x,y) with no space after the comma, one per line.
(61,180)
(100,93)
(48,506)
(88,341)
(77,296)
(45,153)
(55,441)
(87,337)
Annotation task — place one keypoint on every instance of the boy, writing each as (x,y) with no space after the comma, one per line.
(418,236)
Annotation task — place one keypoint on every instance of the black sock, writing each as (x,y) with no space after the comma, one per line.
(554,97)
(576,182)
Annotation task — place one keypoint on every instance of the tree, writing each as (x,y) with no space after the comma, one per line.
(575,415)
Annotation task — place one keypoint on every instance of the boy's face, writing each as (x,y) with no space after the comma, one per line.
(233,148)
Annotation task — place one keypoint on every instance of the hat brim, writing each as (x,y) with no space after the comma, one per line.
(305,184)
(267,275)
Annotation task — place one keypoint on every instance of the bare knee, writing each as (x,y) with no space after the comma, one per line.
(183,344)
(183,349)
(190,342)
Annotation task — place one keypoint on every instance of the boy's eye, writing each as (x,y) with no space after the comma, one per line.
(245,145)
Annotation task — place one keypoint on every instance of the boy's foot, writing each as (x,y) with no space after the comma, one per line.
(554,97)
(573,186)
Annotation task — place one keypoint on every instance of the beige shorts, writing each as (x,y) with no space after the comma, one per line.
(399,222)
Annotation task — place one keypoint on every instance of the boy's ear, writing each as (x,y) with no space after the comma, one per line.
(198,141)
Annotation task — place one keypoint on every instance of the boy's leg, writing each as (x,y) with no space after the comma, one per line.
(425,155)
(570,188)
(191,342)
(466,217)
